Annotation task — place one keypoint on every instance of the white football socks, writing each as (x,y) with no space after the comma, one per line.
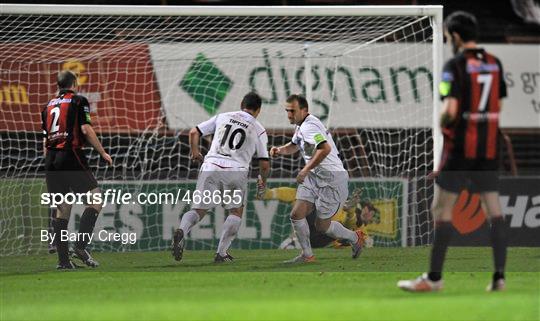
(339,232)
(230,229)
(301,229)
(189,219)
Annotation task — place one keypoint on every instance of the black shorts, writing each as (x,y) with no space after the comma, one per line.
(67,171)
(475,175)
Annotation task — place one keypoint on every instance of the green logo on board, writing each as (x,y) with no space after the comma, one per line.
(206,84)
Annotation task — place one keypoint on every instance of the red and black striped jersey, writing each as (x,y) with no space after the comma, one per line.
(62,119)
(475,78)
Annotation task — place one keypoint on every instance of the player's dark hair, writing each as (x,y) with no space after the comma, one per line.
(251,101)
(302,101)
(66,79)
(464,24)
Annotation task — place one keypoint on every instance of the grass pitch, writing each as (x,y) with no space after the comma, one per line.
(257,286)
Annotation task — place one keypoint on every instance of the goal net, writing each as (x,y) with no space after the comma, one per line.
(152,73)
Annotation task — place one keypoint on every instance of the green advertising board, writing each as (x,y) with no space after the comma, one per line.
(152,221)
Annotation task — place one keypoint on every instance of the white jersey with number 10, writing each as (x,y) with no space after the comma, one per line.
(238,137)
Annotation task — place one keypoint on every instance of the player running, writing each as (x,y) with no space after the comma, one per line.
(472,87)
(66,127)
(238,136)
(323,182)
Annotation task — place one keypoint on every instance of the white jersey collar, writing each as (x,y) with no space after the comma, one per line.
(248,114)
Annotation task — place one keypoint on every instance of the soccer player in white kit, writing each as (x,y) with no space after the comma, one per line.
(323,181)
(238,137)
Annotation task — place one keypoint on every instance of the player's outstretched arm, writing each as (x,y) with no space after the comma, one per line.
(91,137)
(264,169)
(355,197)
(264,172)
(286,149)
(194,138)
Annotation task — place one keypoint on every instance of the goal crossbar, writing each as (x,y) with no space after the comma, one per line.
(122,10)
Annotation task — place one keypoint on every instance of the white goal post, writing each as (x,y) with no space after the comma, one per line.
(370,73)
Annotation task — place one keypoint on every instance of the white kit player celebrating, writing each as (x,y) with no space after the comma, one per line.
(238,136)
(323,182)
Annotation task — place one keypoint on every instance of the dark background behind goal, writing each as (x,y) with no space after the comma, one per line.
(502,22)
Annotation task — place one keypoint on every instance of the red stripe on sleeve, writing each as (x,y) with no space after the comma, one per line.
(471,134)
(493,108)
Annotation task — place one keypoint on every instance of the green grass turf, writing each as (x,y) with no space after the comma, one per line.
(150,285)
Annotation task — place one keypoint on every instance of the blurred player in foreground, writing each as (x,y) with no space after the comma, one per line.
(472,88)
(322,182)
(238,136)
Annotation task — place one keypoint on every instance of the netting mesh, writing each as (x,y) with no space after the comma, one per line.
(151,78)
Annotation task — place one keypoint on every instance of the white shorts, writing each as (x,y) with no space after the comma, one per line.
(216,180)
(327,194)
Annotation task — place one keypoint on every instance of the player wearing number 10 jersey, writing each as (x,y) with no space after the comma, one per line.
(238,136)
